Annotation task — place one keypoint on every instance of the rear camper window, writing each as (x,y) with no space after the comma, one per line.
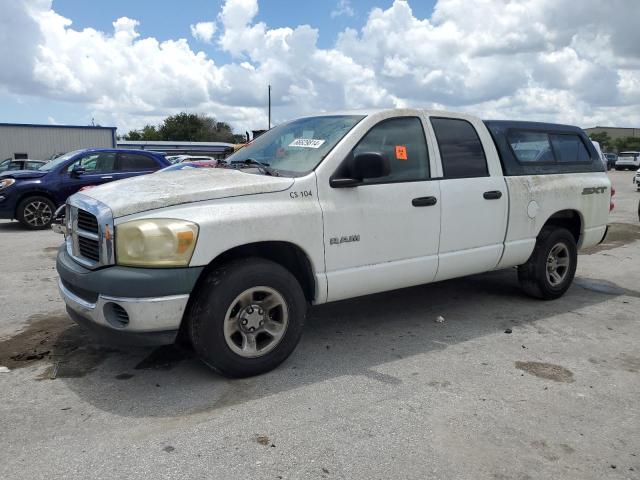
(541,147)
(537,148)
(570,149)
(531,147)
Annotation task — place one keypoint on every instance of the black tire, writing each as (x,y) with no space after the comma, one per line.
(533,276)
(216,296)
(36,213)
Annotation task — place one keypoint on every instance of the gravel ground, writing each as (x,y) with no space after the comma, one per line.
(506,388)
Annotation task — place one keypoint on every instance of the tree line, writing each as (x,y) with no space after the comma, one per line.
(187,127)
(619,144)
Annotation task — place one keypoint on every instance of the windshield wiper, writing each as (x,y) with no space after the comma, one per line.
(250,162)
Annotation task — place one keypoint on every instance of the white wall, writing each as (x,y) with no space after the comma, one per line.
(41,142)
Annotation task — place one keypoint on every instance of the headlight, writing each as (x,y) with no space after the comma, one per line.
(7,182)
(155,243)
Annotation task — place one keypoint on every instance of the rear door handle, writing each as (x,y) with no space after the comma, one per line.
(424,201)
(492,195)
(107,177)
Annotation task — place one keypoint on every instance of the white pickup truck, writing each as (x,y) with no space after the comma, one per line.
(326,208)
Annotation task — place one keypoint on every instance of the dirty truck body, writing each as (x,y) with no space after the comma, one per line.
(352,204)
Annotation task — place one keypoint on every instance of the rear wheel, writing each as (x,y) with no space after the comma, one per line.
(35,213)
(247,317)
(550,270)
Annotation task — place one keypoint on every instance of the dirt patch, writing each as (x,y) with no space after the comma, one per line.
(56,340)
(619,234)
(263,440)
(604,286)
(50,252)
(548,371)
(630,363)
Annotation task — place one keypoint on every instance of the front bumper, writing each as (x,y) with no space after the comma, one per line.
(126,305)
(7,206)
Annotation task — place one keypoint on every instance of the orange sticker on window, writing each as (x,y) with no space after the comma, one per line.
(401,152)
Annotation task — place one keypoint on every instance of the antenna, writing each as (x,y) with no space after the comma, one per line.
(269,108)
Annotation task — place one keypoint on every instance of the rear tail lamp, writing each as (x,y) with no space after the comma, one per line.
(611,204)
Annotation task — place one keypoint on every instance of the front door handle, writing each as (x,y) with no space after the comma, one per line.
(107,177)
(492,195)
(424,201)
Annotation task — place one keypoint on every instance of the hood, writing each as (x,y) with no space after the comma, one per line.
(165,189)
(23,174)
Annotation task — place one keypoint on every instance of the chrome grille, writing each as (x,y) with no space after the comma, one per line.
(87,222)
(90,232)
(89,248)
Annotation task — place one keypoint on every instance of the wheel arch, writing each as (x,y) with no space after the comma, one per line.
(570,219)
(33,193)
(289,255)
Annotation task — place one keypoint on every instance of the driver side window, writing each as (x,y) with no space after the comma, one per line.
(96,162)
(402,141)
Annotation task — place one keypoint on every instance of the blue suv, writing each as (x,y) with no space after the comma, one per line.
(32,196)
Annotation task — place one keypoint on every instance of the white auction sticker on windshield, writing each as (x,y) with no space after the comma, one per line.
(306,143)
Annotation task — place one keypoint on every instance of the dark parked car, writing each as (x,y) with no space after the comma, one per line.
(23,164)
(611,160)
(32,196)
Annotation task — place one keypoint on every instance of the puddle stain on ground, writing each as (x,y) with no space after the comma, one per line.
(618,235)
(56,340)
(548,371)
(50,252)
(630,363)
(604,286)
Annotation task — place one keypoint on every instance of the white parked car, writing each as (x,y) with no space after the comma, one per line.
(636,179)
(188,158)
(603,159)
(628,161)
(326,208)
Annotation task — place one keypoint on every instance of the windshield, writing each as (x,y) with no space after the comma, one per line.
(58,161)
(297,147)
(629,154)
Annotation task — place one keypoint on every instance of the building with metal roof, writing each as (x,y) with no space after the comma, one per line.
(43,142)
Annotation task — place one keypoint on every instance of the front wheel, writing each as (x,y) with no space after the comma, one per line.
(247,317)
(35,213)
(550,270)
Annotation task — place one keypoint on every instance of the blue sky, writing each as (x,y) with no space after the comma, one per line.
(522,59)
(165,20)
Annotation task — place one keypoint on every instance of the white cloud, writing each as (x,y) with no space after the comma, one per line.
(524,59)
(203,31)
(343,8)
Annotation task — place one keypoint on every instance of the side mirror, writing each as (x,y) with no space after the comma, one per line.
(360,167)
(78,170)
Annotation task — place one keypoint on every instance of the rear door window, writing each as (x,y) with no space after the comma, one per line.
(135,162)
(569,149)
(460,147)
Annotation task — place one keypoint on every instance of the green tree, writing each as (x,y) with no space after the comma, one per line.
(187,127)
(148,133)
(603,139)
(627,143)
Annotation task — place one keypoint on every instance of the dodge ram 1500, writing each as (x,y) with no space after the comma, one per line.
(326,208)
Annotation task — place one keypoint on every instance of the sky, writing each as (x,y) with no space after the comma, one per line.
(130,63)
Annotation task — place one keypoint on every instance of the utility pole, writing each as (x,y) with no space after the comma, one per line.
(269,108)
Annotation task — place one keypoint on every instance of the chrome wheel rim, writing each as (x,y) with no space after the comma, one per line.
(558,262)
(256,322)
(37,213)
